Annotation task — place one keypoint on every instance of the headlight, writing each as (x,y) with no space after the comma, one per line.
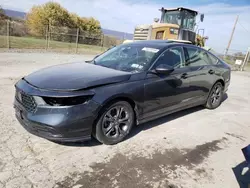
(174,31)
(39,100)
(66,101)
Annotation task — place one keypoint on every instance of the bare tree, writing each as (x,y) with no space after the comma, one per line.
(3,16)
(1,10)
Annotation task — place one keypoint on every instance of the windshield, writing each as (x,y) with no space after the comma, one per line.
(189,20)
(173,17)
(129,57)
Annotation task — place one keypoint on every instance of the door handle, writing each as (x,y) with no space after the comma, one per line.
(184,76)
(211,71)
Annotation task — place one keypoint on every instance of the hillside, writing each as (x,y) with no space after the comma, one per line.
(118,34)
(15,14)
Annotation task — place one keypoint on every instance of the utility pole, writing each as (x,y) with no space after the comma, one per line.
(231,38)
(247,57)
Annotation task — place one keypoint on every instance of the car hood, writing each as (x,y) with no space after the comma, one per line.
(75,76)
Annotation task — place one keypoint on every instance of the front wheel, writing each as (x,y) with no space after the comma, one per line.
(115,123)
(215,97)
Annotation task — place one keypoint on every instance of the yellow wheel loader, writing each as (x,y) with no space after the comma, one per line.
(177,24)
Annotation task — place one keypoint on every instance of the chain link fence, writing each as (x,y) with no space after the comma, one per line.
(15,35)
(238,59)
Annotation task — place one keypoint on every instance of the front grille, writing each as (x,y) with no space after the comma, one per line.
(27,101)
(141,34)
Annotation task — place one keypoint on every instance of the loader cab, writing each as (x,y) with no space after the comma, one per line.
(184,18)
(174,24)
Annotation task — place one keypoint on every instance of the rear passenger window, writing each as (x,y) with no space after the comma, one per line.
(197,57)
(214,60)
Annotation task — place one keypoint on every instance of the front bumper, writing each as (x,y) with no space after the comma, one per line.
(58,123)
(227,83)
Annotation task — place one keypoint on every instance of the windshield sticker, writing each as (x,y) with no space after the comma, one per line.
(137,66)
(153,50)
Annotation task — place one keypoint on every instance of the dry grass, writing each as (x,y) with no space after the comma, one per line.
(34,43)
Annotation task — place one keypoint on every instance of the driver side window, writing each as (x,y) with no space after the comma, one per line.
(172,57)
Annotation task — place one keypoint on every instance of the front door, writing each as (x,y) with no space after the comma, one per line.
(166,93)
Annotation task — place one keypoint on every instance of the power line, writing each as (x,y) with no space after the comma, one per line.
(244,28)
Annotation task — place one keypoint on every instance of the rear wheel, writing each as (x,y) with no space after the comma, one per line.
(215,97)
(115,123)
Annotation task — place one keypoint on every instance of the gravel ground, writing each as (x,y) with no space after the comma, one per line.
(191,148)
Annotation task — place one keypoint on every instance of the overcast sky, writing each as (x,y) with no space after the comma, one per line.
(123,15)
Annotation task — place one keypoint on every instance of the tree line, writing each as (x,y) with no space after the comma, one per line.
(54,19)
(51,20)
(3,16)
(54,14)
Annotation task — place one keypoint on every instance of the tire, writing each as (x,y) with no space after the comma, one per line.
(215,96)
(114,123)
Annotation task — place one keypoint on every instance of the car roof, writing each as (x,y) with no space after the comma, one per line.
(152,41)
(159,43)
(163,44)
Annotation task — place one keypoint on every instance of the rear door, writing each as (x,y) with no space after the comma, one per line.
(201,74)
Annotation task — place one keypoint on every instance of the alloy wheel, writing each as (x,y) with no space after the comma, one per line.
(116,122)
(216,95)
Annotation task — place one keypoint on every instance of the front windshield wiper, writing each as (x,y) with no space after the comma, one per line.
(91,62)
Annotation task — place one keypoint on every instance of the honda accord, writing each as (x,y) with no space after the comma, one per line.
(127,85)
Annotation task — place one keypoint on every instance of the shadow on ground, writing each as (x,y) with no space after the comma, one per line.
(90,143)
(242,177)
(154,170)
(145,126)
(167,118)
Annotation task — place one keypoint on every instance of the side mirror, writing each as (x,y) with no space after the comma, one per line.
(164,69)
(202,17)
(156,20)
